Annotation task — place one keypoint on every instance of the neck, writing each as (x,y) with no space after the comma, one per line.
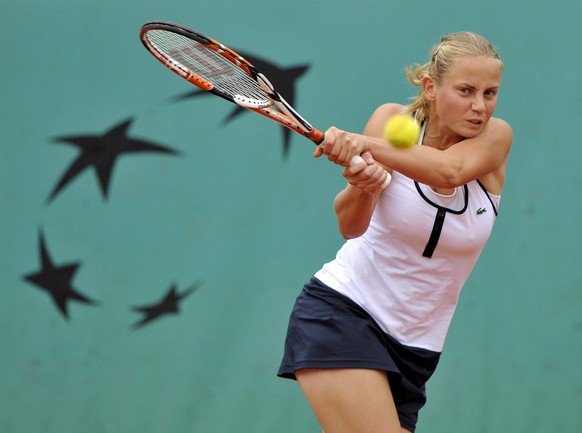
(439,137)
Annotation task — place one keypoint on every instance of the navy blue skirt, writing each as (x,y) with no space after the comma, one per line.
(329,330)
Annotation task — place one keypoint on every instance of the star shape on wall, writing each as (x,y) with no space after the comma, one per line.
(101,153)
(56,280)
(169,304)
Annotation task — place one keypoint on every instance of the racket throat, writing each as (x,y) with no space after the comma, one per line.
(281,104)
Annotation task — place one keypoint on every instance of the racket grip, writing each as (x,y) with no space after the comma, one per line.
(356,159)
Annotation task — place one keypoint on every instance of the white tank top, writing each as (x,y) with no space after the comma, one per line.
(405,271)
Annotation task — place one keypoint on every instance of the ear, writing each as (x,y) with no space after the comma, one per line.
(428,87)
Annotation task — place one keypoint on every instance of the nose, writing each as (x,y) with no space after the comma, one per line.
(478,104)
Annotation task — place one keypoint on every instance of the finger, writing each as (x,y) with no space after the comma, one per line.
(387,180)
(367,156)
(318,151)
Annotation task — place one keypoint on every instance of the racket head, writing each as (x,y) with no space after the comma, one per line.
(217,69)
(205,63)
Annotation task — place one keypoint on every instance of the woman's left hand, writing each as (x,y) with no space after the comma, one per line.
(367,175)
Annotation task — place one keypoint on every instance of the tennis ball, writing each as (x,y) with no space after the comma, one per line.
(401,131)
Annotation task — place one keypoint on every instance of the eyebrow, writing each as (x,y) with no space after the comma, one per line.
(471,86)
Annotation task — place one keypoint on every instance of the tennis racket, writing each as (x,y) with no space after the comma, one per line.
(217,69)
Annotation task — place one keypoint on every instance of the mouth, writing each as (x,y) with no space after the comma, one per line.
(475,123)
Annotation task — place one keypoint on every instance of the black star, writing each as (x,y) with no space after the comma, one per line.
(168,305)
(101,152)
(282,78)
(56,280)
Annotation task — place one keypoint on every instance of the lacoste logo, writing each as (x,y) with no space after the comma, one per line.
(481,210)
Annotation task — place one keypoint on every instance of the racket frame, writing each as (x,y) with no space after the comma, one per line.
(286,116)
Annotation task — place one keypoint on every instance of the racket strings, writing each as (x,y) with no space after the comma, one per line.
(195,57)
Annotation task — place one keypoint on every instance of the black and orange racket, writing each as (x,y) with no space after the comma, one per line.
(219,70)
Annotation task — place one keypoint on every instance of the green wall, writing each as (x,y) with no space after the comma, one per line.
(243,221)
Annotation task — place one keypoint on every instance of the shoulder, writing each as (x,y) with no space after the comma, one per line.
(389,109)
(499,135)
(500,129)
(379,117)
(501,138)
(495,139)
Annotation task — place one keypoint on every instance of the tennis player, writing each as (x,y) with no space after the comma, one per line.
(367,330)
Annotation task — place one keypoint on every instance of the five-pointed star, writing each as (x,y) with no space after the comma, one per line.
(101,152)
(56,280)
(167,305)
(283,80)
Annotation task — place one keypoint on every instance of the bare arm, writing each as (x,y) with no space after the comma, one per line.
(483,156)
(354,207)
(467,160)
(355,204)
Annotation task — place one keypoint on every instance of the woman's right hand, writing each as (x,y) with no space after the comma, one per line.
(340,146)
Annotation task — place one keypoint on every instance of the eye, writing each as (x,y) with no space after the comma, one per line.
(491,92)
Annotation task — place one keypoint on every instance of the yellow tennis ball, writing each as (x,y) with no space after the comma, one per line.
(401,131)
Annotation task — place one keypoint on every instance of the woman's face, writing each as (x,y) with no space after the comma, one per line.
(467,96)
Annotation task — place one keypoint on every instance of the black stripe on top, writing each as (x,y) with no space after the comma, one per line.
(440,219)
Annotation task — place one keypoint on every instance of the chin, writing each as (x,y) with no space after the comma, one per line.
(473,131)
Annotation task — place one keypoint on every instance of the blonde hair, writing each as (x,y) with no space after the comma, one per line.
(442,56)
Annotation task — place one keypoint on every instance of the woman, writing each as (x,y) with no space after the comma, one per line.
(367,331)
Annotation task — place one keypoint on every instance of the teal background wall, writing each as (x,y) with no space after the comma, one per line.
(243,224)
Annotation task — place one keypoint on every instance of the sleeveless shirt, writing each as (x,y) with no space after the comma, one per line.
(407,270)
